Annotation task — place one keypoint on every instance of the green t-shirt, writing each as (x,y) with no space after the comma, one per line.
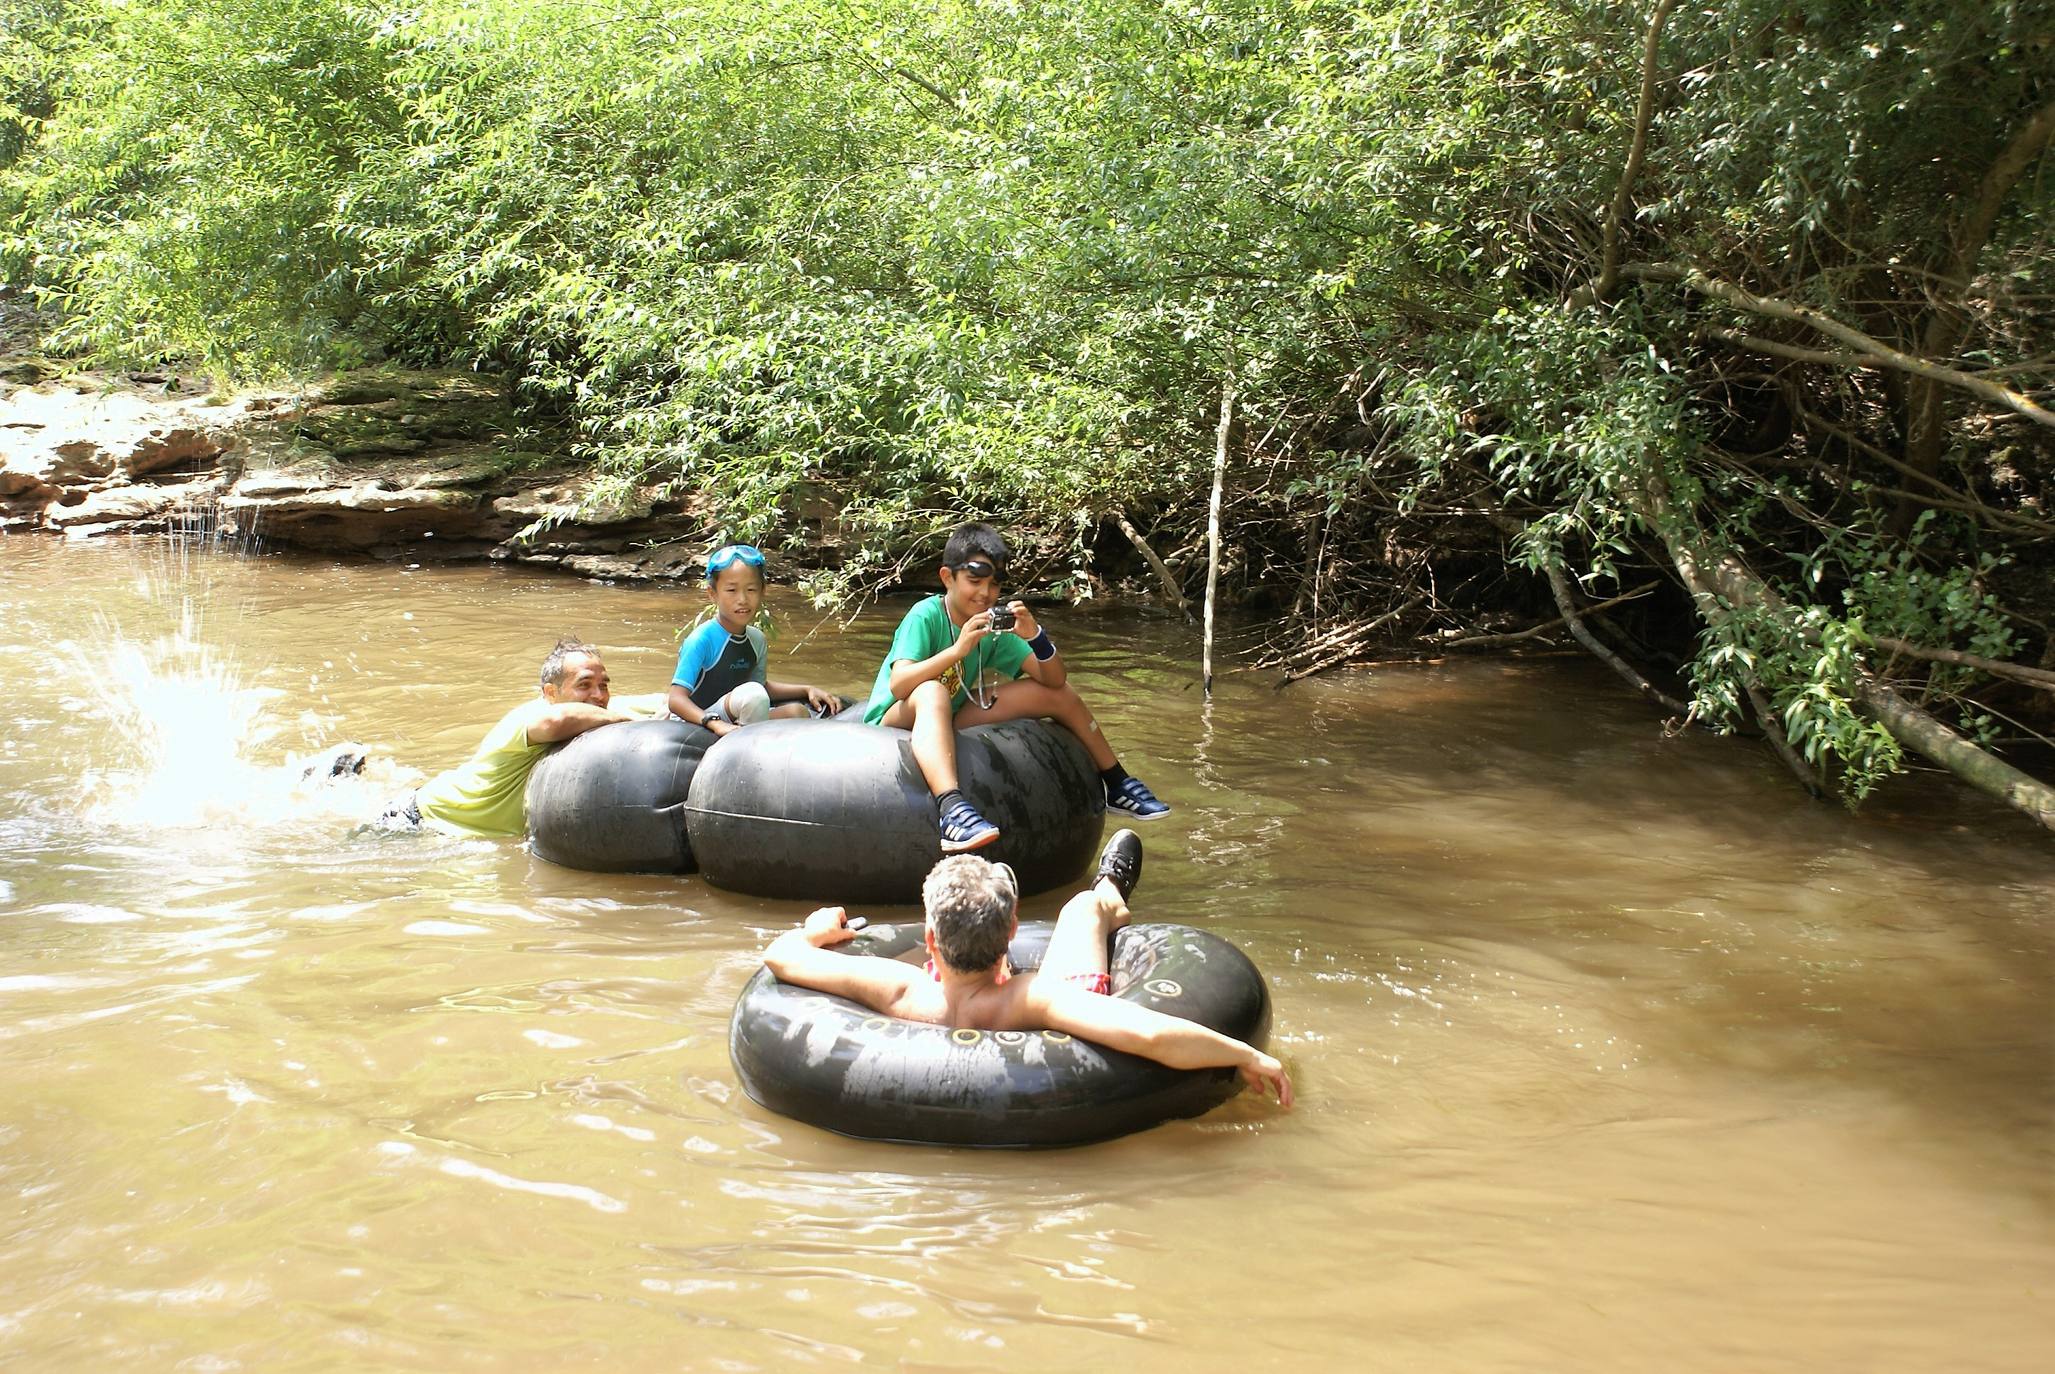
(486,794)
(927,631)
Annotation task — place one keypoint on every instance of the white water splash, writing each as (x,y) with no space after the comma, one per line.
(191,736)
(185,723)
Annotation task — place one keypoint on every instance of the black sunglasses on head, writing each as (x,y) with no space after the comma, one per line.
(977,567)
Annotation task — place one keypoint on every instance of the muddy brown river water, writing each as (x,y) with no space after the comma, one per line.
(1614,1052)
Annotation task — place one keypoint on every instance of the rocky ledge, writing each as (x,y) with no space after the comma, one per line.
(392,465)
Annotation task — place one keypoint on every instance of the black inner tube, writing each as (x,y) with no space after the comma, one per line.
(835,1064)
(613,800)
(838,810)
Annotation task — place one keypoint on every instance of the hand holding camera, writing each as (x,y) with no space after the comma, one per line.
(1002,619)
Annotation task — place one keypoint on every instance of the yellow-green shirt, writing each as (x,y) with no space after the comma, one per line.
(487,793)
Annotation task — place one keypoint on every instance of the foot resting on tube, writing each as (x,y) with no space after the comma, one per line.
(1129,797)
(963,828)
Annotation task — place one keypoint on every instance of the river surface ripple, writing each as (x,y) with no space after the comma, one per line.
(1614,1052)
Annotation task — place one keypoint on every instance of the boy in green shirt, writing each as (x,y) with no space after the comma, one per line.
(951,665)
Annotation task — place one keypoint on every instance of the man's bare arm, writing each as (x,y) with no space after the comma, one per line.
(801,956)
(909,673)
(1049,671)
(1172,1040)
(565,719)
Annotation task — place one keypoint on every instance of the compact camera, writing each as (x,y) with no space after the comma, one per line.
(1002,619)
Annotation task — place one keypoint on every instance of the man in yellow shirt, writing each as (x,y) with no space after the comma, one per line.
(487,793)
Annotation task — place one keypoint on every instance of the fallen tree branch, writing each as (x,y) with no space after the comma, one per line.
(1995,667)
(1565,599)
(1559,585)
(1353,640)
(1343,637)
(1149,555)
(1883,354)
(1718,580)
(1986,772)
(1515,636)
(1766,716)
(1510,637)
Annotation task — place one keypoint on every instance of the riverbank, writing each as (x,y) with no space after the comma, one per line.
(391,464)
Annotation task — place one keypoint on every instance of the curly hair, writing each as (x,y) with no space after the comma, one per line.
(970,905)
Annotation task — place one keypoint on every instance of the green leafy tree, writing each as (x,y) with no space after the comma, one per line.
(1520,304)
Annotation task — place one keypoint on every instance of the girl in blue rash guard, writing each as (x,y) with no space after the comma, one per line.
(721,681)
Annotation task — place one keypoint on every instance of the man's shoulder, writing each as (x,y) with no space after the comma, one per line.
(514,724)
(525,711)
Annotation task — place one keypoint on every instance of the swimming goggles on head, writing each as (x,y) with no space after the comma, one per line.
(729,554)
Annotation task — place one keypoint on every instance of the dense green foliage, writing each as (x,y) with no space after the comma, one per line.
(979,257)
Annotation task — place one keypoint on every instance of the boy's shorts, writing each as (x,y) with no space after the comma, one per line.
(746,705)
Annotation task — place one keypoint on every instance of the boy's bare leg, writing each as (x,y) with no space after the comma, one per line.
(1084,928)
(1024,697)
(926,714)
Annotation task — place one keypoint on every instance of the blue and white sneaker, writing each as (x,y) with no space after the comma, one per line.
(1131,798)
(963,829)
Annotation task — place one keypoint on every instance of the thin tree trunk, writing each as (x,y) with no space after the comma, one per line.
(1213,531)
(1766,716)
(1559,585)
(1644,111)
(1926,403)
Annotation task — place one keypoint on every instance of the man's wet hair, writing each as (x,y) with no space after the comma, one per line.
(553,666)
(975,540)
(970,907)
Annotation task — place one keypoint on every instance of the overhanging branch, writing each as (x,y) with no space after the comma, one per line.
(1876,350)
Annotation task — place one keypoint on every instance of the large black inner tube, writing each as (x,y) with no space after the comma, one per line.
(612,800)
(837,810)
(834,1064)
